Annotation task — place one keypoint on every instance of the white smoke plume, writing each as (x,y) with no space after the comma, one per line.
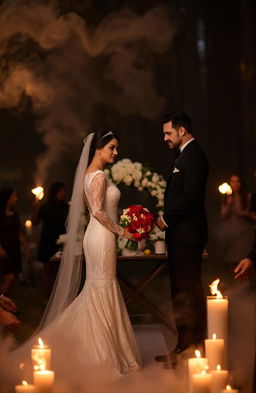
(65,70)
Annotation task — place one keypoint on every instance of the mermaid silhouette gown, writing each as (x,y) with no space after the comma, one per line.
(97,319)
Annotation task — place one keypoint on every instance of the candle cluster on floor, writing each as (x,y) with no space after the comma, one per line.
(43,376)
(208,374)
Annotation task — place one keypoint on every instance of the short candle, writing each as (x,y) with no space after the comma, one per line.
(43,380)
(219,379)
(230,390)
(196,365)
(41,355)
(202,382)
(25,388)
(214,351)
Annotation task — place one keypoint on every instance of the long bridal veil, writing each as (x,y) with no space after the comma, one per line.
(69,276)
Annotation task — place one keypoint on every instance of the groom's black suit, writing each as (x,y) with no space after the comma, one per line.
(186,235)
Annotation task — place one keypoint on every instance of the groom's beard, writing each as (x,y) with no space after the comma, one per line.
(174,145)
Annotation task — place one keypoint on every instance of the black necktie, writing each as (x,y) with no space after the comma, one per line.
(177,158)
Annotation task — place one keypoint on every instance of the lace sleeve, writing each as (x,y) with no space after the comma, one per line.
(98,192)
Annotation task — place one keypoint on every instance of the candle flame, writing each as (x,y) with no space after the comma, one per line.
(198,353)
(218,368)
(38,192)
(203,372)
(28,224)
(21,366)
(40,342)
(24,383)
(214,336)
(225,189)
(228,387)
(214,290)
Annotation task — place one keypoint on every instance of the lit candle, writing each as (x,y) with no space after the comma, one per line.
(225,189)
(28,226)
(38,192)
(195,365)
(24,388)
(214,351)
(217,313)
(219,379)
(201,382)
(41,355)
(229,390)
(43,380)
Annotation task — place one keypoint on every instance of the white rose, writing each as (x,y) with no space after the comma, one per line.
(155,178)
(128,180)
(138,165)
(125,161)
(144,183)
(137,175)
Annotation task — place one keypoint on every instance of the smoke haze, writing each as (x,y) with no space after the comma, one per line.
(64,70)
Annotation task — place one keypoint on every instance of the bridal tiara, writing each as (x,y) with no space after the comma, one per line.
(108,133)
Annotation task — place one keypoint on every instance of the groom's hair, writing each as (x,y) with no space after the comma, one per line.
(178,119)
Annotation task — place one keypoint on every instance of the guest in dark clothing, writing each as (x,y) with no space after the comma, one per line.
(11,237)
(53,215)
(237,232)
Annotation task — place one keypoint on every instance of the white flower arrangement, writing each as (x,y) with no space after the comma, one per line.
(136,175)
(156,234)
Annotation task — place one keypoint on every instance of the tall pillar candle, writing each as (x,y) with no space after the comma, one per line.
(219,379)
(195,365)
(214,352)
(217,316)
(201,382)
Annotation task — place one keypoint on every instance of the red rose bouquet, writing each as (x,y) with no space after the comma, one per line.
(139,222)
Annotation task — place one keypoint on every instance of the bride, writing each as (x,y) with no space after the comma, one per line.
(96,320)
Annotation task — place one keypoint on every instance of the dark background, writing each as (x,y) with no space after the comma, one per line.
(209,72)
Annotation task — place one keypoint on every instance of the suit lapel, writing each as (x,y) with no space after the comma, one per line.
(177,162)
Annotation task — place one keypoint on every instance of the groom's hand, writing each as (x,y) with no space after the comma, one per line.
(160,224)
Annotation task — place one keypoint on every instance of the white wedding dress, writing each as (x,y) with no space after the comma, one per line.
(97,320)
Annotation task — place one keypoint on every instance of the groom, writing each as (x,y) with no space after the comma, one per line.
(185,225)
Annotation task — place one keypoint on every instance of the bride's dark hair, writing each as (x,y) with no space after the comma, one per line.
(99,140)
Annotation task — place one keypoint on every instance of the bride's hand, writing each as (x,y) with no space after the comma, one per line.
(129,236)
